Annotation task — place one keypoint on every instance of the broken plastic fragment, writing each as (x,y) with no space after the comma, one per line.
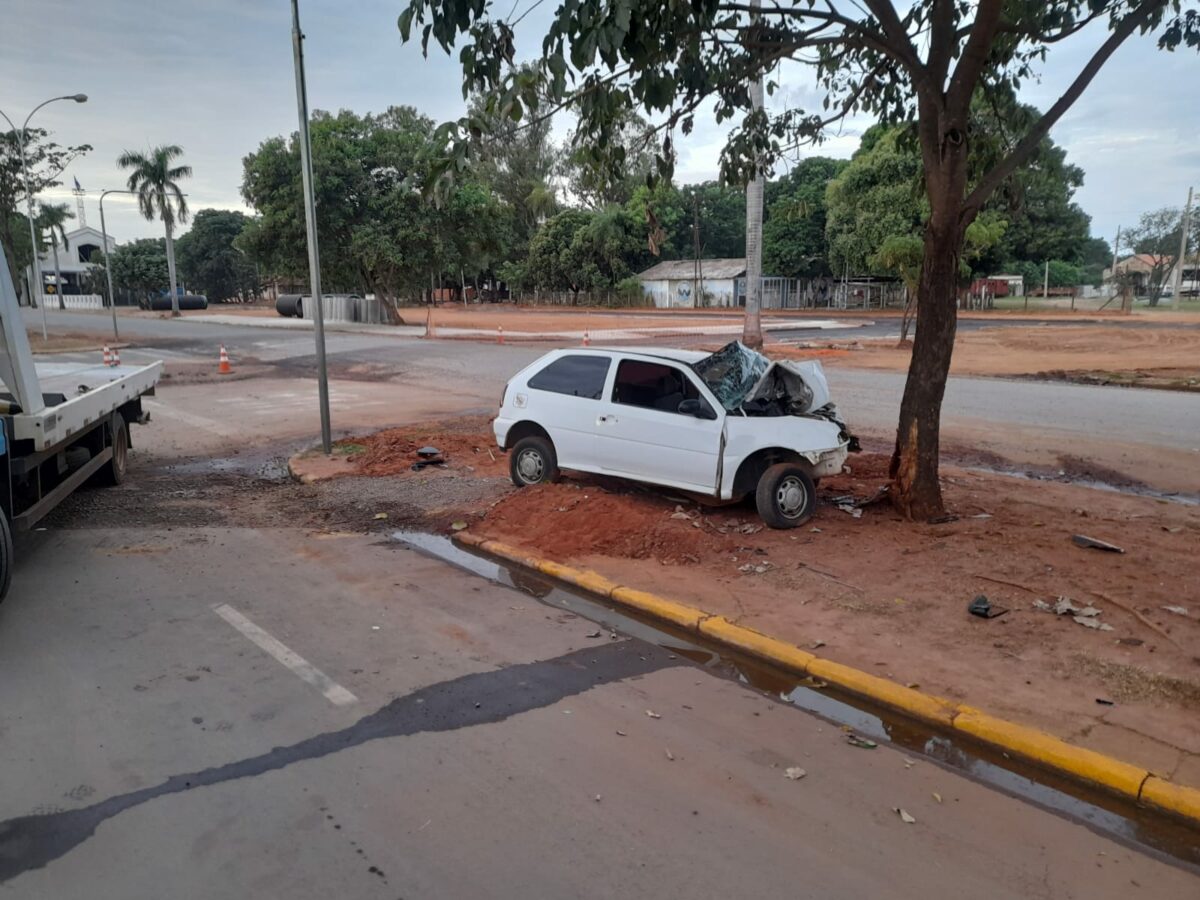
(381,515)
(1082,540)
(652,714)
(794,773)
(904,816)
(1178,610)
(1091,622)
(855,741)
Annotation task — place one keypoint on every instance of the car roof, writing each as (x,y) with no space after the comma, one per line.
(674,354)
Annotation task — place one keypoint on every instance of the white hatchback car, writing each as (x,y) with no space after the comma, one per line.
(723,425)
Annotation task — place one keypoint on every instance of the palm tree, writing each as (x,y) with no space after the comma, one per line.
(52,217)
(155,179)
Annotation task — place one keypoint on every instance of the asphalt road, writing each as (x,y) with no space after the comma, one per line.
(231,712)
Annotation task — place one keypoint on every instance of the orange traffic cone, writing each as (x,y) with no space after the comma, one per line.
(107,356)
(499,334)
(224,367)
(116,357)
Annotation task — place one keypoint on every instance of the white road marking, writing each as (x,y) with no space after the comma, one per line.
(202,422)
(301,668)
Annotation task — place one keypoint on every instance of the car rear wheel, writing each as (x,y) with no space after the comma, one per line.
(114,472)
(533,461)
(786,496)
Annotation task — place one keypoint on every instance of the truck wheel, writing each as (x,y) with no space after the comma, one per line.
(533,462)
(785,496)
(114,472)
(6,556)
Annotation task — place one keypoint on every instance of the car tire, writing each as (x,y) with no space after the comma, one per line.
(786,496)
(532,461)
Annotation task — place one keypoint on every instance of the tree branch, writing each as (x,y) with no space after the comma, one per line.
(974,55)
(941,41)
(1027,145)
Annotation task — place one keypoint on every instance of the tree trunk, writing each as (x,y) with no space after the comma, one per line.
(171,270)
(916,491)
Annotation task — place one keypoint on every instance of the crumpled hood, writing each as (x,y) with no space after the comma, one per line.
(741,377)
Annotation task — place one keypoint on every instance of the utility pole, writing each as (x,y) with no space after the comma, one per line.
(1182,257)
(698,287)
(310,219)
(752,329)
(1046,283)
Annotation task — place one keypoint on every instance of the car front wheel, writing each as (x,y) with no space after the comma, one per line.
(533,462)
(786,496)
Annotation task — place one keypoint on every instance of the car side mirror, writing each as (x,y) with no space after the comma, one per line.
(697,408)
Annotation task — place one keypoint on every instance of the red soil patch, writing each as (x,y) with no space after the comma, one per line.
(393,451)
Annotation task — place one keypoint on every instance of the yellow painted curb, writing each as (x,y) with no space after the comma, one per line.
(1094,769)
(924,707)
(750,642)
(654,605)
(1173,798)
(1053,753)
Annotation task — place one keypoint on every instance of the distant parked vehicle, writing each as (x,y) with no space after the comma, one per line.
(725,424)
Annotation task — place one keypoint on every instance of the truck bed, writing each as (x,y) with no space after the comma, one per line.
(78,395)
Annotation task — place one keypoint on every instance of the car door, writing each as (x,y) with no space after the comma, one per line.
(641,434)
(565,397)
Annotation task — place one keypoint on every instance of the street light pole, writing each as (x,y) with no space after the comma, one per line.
(36,287)
(112,297)
(310,219)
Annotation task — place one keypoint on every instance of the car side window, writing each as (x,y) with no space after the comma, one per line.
(576,376)
(652,386)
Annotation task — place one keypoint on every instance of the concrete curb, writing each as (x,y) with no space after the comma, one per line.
(1079,764)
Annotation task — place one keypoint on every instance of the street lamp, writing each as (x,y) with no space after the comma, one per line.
(33,244)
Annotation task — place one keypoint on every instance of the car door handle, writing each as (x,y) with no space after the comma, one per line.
(606,420)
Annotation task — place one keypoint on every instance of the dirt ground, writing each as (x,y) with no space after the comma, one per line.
(890,596)
(1101,354)
(66,342)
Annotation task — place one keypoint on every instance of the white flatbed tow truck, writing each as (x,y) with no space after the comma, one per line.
(61,425)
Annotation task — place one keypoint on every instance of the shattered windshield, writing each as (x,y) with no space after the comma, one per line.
(732,372)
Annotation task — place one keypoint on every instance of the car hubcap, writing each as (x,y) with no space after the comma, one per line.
(791,497)
(530,465)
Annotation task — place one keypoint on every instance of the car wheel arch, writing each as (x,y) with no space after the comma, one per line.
(523,429)
(752,467)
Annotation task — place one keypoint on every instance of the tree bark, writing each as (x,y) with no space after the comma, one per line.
(917,492)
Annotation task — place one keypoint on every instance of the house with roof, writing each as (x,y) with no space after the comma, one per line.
(690,283)
(74,259)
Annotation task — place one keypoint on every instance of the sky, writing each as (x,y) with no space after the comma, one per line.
(216,77)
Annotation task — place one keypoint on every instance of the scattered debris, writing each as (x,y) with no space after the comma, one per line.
(670,755)
(904,816)
(621,734)
(982,607)
(458,526)
(851,509)
(380,516)
(1131,642)
(943,520)
(652,714)
(1082,540)
(1090,622)
(374,627)
(816,645)
(1042,605)
(429,452)
(597,798)
(1104,702)
(1178,610)
(855,741)
(1172,529)
(794,773)
(594,634)
(937,796)
(982,516)
(760,569)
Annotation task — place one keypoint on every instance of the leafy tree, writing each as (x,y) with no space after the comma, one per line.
(210,260)
(922,63)
(1157,236)
(1095,257)
(632,142)
(47,160)
(794,231)
(551,264)
(155,178)
(377,229)
(722,214)
(139,266)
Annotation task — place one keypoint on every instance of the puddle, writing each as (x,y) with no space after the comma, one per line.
(1108,815)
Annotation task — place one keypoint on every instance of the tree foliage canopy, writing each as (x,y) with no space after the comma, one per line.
(210,260)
